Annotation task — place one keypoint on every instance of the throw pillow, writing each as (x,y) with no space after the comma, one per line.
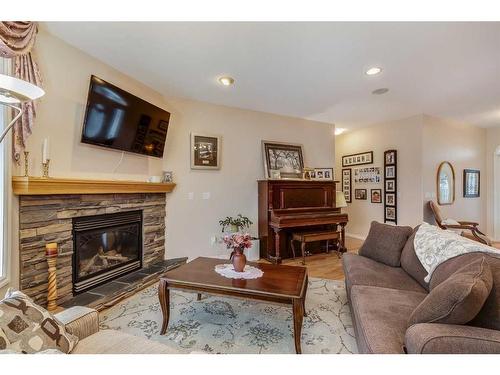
(28,328)
(459,298)
(385,243)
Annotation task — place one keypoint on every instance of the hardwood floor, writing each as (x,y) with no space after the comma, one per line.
(325,266)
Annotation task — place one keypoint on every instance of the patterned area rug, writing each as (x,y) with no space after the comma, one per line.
(227,325)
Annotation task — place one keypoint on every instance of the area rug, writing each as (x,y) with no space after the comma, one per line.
(227,325)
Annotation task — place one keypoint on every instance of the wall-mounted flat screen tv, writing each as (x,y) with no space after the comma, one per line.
(116,119)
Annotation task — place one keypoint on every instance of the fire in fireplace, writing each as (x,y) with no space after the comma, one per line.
(105,247)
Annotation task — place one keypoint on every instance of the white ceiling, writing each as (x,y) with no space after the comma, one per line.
(310,70)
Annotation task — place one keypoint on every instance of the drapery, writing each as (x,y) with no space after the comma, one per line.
(16,42)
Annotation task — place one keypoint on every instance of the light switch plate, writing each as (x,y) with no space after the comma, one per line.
(205,195)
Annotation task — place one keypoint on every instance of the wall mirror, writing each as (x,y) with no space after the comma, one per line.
(445,184)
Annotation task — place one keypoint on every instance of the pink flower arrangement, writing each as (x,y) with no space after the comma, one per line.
(238,241)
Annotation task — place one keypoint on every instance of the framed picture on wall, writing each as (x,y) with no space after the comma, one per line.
(205,151)
(357,159)
(376,195)
(390,186)
(472,183)
(347,184)
(390,213)
(360,194)
(390,199)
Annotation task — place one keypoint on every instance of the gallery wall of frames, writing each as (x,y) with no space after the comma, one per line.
(358,174)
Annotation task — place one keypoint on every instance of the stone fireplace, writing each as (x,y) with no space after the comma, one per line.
(99,236)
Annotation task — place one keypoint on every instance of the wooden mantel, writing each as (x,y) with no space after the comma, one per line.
(51,186)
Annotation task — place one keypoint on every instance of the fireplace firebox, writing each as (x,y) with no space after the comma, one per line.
(105,247)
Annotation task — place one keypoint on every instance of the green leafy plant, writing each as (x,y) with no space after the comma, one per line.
(239,222)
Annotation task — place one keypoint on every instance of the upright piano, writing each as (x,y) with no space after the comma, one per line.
(293,205)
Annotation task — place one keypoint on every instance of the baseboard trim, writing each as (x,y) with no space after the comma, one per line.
(356,236)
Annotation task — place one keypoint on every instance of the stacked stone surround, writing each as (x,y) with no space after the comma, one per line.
(48,218)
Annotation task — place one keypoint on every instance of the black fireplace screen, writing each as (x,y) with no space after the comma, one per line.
(105,247)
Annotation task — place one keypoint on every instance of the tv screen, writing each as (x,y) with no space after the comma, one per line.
(117,119)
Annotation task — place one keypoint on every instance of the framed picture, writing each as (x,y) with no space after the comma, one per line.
(357,159)
(347,184)
(360,194)
(323,174)
(390,157)
(168,176)
(205,151)
(390,213)
(367,175)
(376,195)
(390,186)
(472,183)
(390,171)
(286,158)
(390,199)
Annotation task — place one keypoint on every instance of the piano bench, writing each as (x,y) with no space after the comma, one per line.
(313,236)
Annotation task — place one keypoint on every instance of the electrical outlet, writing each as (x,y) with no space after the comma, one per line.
(191,196)
(213,240)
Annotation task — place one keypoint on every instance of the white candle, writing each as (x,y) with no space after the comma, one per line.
(45,150)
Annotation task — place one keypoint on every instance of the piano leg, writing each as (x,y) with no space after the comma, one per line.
(342,248)
(277,245)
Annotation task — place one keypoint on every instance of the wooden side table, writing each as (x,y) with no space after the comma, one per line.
(313,236)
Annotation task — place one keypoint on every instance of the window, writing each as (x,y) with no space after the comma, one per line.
(4,66)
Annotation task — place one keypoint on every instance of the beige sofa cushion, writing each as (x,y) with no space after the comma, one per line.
(410,262)
(29,328)
(384,243)
(458,299)
(380,316)
(115,342)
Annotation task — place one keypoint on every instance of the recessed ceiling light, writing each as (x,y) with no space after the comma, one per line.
(380,91)
(373,71)
(226,81)
(339,131)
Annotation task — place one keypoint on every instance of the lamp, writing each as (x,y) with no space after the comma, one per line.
(340,199)
(13,92)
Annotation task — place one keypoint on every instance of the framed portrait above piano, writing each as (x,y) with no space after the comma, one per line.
(285,158)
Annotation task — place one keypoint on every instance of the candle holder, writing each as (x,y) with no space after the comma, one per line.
(51,257)
(45,167)
(26,163)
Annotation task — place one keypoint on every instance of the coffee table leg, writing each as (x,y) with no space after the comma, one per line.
(304,298)
(164,295)
(298,317)
(198,297)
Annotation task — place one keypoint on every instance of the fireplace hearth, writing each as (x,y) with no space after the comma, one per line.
(105,247)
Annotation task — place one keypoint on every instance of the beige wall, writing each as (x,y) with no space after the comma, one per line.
(190,223)
(404,136)
(492,172)
(464,146)
(423,142)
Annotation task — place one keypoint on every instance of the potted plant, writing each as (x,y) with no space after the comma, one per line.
(235,223)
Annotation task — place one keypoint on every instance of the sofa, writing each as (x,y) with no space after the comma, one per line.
(385,286)
(83,322)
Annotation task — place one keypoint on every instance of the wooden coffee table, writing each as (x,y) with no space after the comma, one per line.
(281,284)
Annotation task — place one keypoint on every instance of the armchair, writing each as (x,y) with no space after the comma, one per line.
(461,226)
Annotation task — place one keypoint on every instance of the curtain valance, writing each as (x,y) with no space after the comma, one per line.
(16,42)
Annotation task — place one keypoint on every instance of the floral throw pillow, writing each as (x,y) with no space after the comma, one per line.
(28,328)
